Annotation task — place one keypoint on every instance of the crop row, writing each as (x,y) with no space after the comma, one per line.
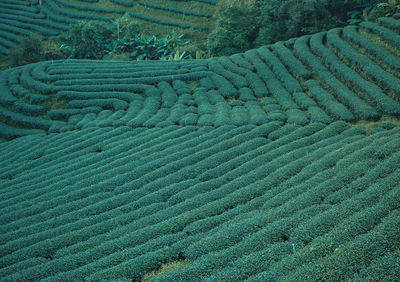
(22,6)
(269,164)
(274,85)
(351,34)
(372,92)
(125,3)
(41,26)
(87,8)
(53,6)
(54,16)
(391,23)
(21,13)
(158,21)
(386,34)
(362,62)
(210,141)
(174,10)
(254,233)
(340,91)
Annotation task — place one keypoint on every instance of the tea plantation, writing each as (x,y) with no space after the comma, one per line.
(278,164)
(20,18)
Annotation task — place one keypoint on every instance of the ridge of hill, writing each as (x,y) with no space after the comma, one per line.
(277,164)
(349,74)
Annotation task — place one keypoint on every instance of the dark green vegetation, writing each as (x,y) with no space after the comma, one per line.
(94,40)
(212,27)
(277,164)
(53,18)
(246,24)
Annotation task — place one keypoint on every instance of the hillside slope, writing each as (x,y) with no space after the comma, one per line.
(20,18)
(279,164)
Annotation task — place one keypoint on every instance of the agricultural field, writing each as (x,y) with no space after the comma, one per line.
(277,164)
(20,18)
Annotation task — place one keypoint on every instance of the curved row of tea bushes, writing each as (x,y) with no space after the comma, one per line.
(259,86)
(100,66)
(224,86)
(251,192)
(368,88)
(81,77)
(125,3)
(351,33)
(391,23)
(370,68)
(87,8)
(229,64)
(7,44)
(54,16)
(10,132)
(22,6)
(108,103)
(269,229)
(22,11)
(290,61)
(24,121)
(66,84)
(279,70)
(173,10)
(340,90)
(19,19)
(331,105)
(279,174)
(6,98)
(386,34)
(21,26)
(10,34)
(58,13)
(237,80)
(256,84)
(205,139)
(159,21)
(37,85)
(22,108)
(274,85)
(54,13)
(42,26)
(29,109)
(205,109)
(157,141)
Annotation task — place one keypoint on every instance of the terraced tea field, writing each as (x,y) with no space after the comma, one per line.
(20,18)
(278,164)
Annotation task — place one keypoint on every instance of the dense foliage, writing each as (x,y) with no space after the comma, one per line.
(236,28)
(30,50)
(94,40)
(243,25)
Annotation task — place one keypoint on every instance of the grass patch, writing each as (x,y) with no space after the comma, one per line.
(165,268)
(193,85)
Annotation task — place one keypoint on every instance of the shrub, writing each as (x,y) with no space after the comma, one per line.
(236,27)
(281,20)
(95,40)
(30,50)
(87,40)
(144,47)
